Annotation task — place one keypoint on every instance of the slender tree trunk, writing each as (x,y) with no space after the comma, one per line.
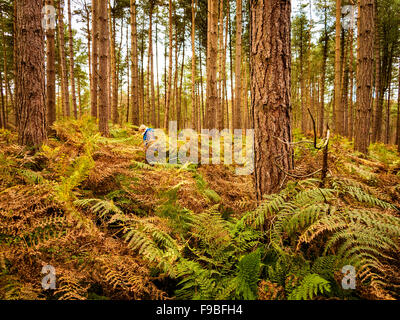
(193,33)
(231,70)
(398,114)
(134,67)
(64,77)
(270,33)
(103,68)
(158,82)
(128,66)
(71,61)
(89,46)
(323,79)
(167,106)
(2,111)
(30,81)
(212,58)
(114,76)
(220,106)
(238,63)
(377,124)
(387,124)
(95,59)
(338,74)
(351,74)
(364,75)
(51,74)
(151,71)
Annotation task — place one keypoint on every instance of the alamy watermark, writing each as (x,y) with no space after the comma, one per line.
(349,279)
(49,281)
(349,13)
(49,18)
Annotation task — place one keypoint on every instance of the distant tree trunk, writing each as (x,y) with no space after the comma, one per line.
(167,106)
(212,58)
(179,95)
(95,58)
(134,67)
(30,81)
(89,46)
(151,71)
(158,82)
(51,74)
(270,34)
(238,63)
(387,124)
(377,125)
(2,111)
(364,75)
(114,76)
(398,114)
(128,66)
(231,70)
(323,79)
(193,33)
(71,61)
(338,74)
(64,77)
(103,68)
(220,107)
(351,75)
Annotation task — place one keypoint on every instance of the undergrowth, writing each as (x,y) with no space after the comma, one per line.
(115,227)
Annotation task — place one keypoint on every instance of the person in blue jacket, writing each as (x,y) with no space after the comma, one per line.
(148,136)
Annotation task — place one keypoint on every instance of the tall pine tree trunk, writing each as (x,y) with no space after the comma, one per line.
(238,63)
(64,76)
(212,58)
(71,61)
(364,75)
(271,59)
(167,106)
(193,33)
(134,67)
(103,68)
(95,59)
(377,124)
(30,81)
(51,74)
(338,71)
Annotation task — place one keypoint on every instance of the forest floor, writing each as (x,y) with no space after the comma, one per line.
(114,227)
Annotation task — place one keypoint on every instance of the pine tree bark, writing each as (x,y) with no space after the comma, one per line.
(212,58)
(323,78)
(364,75)
(398,114)
(103,68)
(64,76)
(95,59)
(113,66)
(193,33)
(167,106)
(151,71)
(351,75)
(30,81)
(72,62)
(134,67)
(271,59)
(238,63)
(51,74)
(377,124)
(339,117)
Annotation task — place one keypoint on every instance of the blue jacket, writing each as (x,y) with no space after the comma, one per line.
(148,136)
